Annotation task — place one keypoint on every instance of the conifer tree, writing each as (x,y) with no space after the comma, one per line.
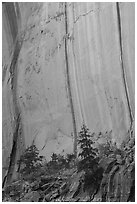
(30,161)
(88,153)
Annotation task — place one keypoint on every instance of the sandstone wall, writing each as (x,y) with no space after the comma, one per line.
(65,64)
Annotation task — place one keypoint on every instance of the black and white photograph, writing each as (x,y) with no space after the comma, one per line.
(68,101)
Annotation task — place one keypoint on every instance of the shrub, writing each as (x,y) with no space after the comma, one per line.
(106,149)
(70,160)
(57,162)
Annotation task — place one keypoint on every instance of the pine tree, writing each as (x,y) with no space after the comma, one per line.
(88,154)
(30,161)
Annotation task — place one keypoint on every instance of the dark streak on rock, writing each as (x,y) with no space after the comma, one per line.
(122,65)
(17,118)
(68,83)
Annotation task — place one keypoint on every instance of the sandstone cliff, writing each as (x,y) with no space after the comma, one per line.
(65,63)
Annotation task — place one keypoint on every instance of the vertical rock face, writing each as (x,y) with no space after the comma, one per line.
(64,64)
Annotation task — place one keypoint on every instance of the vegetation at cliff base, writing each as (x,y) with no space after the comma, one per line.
(99,173)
